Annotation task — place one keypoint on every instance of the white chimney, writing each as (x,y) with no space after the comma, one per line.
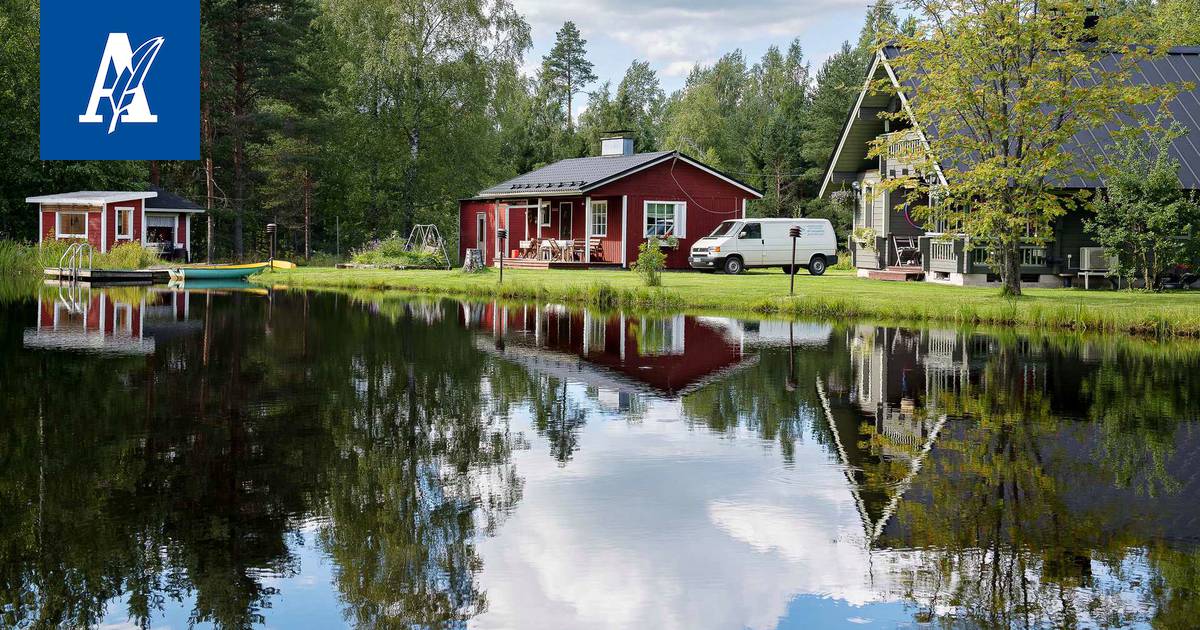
(616,143)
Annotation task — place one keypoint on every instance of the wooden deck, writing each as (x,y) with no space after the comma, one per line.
(526,263)
(108,277)
(897,274)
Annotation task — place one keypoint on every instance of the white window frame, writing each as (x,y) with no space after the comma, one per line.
(58,233)
(124,235)
(544,215)
(600,209)
(679,230)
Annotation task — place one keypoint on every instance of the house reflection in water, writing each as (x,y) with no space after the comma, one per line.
(125,321)
(622,355)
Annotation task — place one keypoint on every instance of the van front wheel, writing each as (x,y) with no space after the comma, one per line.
(816,266)
(733,265)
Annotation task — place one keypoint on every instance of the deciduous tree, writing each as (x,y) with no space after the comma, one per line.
(1001,88)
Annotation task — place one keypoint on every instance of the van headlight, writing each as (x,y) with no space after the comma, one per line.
(714,250)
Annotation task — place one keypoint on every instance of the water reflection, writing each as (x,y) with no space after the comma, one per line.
(290,459)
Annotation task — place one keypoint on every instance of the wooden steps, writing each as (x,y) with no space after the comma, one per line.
(526,263)
(897,274)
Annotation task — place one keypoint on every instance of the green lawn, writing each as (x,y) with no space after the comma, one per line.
(835,295)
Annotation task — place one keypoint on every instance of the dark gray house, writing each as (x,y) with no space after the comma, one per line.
(899,247)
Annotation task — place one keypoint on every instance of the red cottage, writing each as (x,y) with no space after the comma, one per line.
(596,211)
(105,219)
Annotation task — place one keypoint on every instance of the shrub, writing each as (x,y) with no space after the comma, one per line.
(128,256)
(391,252)
(650,262)
(320,259)
(844,263)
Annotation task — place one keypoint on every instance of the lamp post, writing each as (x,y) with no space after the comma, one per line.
(502,234)
(793,232)
(271,229)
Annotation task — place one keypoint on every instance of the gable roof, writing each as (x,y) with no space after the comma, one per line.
(167,200)
(91,197)
(576,176)
(1178,65)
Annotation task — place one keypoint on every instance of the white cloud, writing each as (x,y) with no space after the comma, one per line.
(675,34)
(655,526)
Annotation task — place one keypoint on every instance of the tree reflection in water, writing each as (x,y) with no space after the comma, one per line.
(1001,480)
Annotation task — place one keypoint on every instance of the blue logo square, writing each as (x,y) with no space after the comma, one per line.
(120,80)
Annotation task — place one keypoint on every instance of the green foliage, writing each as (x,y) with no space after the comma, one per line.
(639,105)
(1145,219)
(566,70)
(391,252)
(984,75)
(650,262)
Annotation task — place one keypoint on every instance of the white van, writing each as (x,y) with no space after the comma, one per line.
(747,243)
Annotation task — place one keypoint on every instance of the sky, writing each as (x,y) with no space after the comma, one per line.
(674,35)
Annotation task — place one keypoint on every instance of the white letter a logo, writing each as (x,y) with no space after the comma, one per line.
(125,96)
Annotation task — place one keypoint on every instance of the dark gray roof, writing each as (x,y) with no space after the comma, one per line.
(572,176)
(167,200)
(1180,65)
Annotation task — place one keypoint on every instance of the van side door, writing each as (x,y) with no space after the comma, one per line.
(750,244)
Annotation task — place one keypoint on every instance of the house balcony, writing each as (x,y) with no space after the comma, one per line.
(903,154)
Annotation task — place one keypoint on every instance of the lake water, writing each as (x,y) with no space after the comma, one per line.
(237,458)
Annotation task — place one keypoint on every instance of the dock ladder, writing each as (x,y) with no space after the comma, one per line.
(70,264)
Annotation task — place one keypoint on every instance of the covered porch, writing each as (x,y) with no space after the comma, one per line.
(563,233)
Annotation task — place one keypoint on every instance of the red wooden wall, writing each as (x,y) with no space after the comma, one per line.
(710,200)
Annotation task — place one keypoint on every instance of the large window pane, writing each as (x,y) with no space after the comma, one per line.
(660,219)
(72,224)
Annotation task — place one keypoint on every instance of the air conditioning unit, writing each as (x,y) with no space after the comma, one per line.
(1093,259)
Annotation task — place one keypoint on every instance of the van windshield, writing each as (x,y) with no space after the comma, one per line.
(725,229)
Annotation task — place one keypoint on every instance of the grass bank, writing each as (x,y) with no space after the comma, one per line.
(836,295)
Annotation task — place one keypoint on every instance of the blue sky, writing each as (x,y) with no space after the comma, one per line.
(673,35)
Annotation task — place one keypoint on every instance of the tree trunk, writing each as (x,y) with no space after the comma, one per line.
(206,135)
(407,211)
(240,97)
(307,214)
(1010,267)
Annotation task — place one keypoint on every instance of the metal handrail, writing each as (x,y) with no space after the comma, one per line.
(73,257)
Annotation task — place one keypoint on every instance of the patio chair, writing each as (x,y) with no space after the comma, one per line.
(907,251)
(596,249)
(577,249)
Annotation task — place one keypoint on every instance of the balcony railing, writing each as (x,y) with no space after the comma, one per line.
(902,154)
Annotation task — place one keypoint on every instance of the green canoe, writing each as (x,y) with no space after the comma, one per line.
(218,272)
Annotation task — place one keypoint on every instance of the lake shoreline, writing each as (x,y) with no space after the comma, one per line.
(836,295)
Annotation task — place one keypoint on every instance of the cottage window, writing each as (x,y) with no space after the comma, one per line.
(665,218)
(544,215)
(658,337)
(599,218)
(72,225)
(124,222)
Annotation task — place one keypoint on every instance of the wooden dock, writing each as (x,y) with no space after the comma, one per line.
(109,277)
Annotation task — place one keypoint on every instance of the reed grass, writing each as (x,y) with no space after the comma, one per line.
(835,296)
(17,258)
